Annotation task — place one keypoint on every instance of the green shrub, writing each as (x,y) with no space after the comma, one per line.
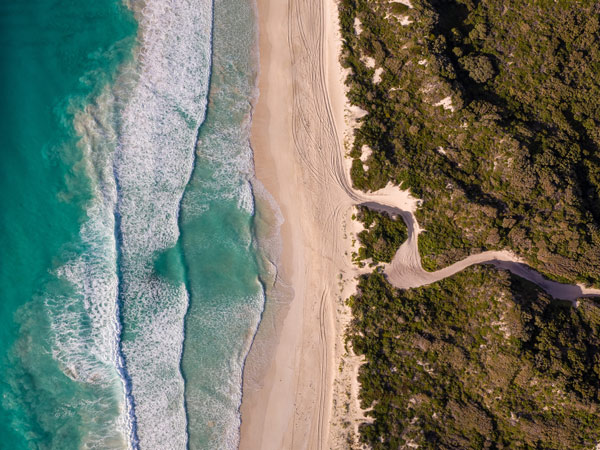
(381,237)
(521,146)
(479,360)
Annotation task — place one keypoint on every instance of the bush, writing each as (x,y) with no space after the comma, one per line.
(381,237)
(479,360)
(519,165)
(479,67)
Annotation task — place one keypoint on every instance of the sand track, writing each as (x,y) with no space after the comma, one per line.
(327,164)
(406,270)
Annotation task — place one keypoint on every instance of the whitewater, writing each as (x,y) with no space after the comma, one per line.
(151,317)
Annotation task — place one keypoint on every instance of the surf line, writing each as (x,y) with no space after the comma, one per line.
(121,362)
(184,264)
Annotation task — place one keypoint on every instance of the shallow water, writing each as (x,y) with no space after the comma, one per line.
(128,256)
(217,238)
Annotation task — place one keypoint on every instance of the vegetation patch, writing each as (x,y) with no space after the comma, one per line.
(489,111)
(382,236)
(479,360)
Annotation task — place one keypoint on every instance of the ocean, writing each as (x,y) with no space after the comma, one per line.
(129,265)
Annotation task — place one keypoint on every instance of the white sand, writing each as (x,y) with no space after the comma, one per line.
(365,153)
(368,61)
(357,26)
(377,75)
(445,103)
(405,20)
(404,2)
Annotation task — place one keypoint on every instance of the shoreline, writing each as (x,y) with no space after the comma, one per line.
(258,377)
(288,380)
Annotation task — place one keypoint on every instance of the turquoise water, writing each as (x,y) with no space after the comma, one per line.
(218,244)
(128,271)
(51,61)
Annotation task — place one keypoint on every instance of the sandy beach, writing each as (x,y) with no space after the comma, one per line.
(289,377)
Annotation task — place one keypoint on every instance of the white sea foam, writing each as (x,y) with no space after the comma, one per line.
(221,324)
(232,325)
(153,162)
(161,100)
(84,321)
